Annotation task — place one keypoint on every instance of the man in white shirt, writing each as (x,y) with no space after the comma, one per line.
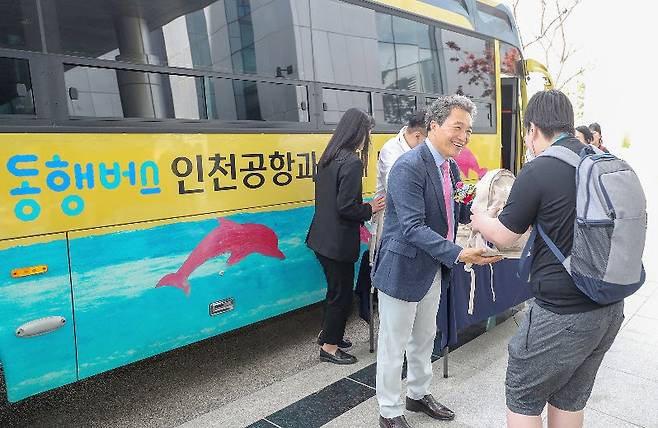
(409,137)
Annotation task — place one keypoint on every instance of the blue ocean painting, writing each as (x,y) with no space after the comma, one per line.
(121,316)
(38,363)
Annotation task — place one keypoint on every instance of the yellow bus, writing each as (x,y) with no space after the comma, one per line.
(157,158)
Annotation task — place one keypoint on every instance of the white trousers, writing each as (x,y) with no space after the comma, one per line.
(411,327)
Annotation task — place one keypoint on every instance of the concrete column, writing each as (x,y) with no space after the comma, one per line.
(141,93)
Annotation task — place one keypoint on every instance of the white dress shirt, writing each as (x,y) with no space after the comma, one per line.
(390,152)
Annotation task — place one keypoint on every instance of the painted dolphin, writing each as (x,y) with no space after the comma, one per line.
(230,237)
(467,162)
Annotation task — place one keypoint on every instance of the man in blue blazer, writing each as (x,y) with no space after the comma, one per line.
(416,254)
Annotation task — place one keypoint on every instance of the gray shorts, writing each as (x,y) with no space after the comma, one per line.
(554,358)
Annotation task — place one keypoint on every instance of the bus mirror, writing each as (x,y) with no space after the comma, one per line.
(73,93)
(21,90)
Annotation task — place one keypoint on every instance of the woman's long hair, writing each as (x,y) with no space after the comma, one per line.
(586,133)
(596,127)
(352,130)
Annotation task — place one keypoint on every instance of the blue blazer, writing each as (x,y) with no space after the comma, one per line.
(413,245)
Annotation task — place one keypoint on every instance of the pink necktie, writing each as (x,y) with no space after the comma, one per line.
(447,197)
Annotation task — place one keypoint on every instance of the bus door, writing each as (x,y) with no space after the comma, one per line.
(509,123)
(37,343)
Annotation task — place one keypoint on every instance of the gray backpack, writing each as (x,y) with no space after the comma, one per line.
(610,228)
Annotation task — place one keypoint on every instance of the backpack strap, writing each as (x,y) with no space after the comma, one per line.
(566,261)
(525,261)
(562,153)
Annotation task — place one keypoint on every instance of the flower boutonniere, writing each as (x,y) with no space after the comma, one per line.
(464,193)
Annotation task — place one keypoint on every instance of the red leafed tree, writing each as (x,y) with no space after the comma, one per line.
(479,68)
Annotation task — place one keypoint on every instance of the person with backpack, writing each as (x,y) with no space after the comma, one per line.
(588,214)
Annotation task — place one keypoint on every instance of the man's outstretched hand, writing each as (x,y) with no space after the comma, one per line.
(475,256)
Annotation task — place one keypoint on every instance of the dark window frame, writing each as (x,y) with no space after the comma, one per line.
(184,72)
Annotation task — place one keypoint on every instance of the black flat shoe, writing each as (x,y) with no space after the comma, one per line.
(340,357)
(342,344)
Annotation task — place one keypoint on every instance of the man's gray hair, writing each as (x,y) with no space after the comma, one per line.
(440,109)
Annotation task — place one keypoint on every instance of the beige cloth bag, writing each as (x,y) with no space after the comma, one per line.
(492,192)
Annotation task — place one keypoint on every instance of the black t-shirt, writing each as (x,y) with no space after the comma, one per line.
(545,192)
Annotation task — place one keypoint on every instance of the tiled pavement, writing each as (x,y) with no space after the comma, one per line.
(625,393)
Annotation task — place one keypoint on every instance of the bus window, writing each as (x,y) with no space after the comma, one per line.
(457,6)
(408,58)
(510,58)
(470,65)
(15,87)
(494,17)
(19,25)
(233,36)
(256,101)
(344,43)
(484,116)
(110,93)
(392,108)
(336,102)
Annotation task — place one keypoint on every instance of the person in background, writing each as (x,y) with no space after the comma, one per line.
(334,231)
(584,135)
(597,137)
(410,136)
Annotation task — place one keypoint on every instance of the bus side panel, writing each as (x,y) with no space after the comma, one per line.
(258,260)
(38,363)
(479,156)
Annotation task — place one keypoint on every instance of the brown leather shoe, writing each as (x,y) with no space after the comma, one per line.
(430,407)
(397,422)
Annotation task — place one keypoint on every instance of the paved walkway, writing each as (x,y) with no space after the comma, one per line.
(625,393)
